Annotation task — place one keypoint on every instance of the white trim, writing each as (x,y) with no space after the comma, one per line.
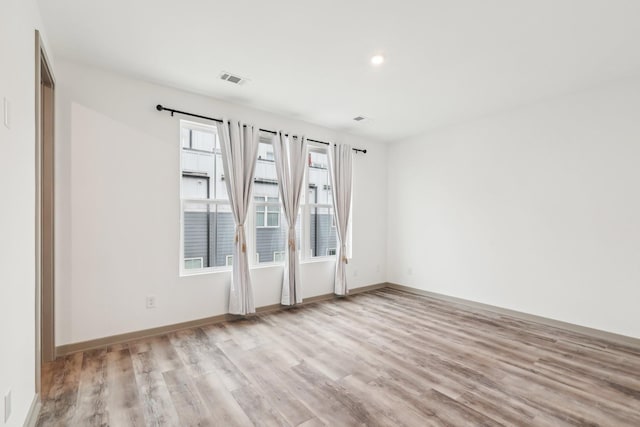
(198,126)
(307,206)
(34,412)
(474,305)
(205,202)
(208,270)
(227,269)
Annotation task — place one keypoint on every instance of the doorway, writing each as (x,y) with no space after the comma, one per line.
(44,112)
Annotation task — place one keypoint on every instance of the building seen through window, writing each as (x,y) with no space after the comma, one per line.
(208,229)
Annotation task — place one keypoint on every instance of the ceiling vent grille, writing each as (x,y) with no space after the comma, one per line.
(358,119)
(232,78)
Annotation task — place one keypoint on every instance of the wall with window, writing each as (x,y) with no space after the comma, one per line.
(121,168)
(535,209)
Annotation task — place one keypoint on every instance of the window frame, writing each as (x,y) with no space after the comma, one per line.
(305,209)
(265,138)
(304,251)
(211,203)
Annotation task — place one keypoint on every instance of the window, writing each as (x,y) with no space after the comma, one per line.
(195,186)
(267,211)
(193,263)
(320,237)
(270,233)
(208,228)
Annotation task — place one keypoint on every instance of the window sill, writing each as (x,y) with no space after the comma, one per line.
(318,259)
(314,260)
(200,272)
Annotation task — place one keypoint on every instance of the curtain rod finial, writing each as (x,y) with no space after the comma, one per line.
(159,107)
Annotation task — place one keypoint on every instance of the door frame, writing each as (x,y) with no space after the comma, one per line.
(44,215)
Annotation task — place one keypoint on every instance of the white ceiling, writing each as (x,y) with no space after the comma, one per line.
(447,60)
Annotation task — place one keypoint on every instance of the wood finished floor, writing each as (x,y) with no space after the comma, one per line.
(384,357)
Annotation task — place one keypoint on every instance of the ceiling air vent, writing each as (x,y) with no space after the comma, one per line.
(358,119)
(231,78)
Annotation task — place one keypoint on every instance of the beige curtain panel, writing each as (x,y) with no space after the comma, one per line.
(239,147)
(290,156)
(341,173)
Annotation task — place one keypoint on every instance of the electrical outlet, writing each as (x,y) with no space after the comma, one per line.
(7,406)
(151,301)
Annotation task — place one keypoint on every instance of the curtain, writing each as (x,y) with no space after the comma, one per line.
(289,156)
(341,173)
(239,146)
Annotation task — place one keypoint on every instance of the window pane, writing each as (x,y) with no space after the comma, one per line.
(204,140)
(191,263)
(185,137)
(225,235)
(209,234)
(271,239)
(220,184)
(265,151)
(198,221)
(259,216)
(298,229)
(195,187)
(266,179)
(270,234)
(273,219)
(273,200)
(318,189)
(322,235)
(201,159)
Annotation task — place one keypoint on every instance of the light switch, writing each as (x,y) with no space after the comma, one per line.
(6,113)
(7,406)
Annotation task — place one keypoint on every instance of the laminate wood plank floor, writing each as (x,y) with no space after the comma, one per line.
(380,358)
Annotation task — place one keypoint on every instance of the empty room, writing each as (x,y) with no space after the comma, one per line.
(329,213)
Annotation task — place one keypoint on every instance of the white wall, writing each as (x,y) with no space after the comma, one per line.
(536,209)
(118,212)
(18,21)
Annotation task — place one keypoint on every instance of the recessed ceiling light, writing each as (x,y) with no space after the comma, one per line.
(377,59)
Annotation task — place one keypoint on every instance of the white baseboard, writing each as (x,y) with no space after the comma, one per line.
(34,412)
(65,349)
(591,332)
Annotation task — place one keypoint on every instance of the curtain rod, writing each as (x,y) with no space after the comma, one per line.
(159,107)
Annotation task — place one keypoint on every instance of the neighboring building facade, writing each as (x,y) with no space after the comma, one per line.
(208,227)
